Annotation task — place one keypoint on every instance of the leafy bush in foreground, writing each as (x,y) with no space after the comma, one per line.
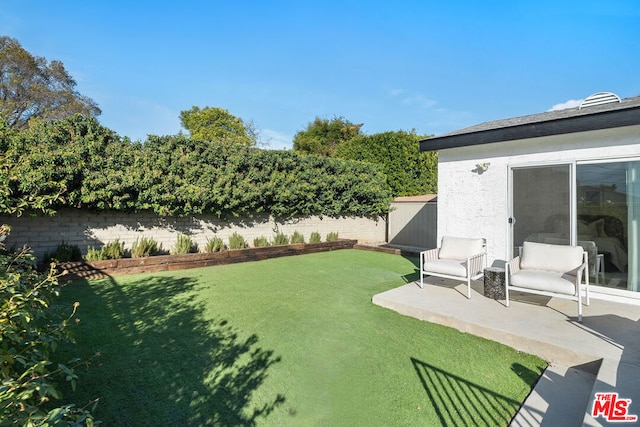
(30,332)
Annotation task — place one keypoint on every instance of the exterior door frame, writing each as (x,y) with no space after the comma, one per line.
(511,220)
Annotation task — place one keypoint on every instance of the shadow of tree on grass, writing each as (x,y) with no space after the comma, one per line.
(161,362)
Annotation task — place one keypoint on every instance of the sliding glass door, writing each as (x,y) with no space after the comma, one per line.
(592,204)
(541,205)
(608,214)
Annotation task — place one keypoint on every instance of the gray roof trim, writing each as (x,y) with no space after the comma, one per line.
(560,122)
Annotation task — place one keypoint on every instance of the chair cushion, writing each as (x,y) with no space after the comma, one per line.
(460,248)
(544,281)
(543,256)
(446,266)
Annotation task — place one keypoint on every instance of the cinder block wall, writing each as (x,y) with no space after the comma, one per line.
(90,228)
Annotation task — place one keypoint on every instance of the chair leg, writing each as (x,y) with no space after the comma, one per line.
(580,303)
(587,295)
(580,311)
(506,288)
(468,287)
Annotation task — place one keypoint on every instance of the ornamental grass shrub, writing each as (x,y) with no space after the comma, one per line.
(297,237)
(315,237)
(144,247)
(236,241)
(63,253)
(112,250)
(280,239)
(261,242)
(184,245)
(214,244)
(94,254)
(332,237)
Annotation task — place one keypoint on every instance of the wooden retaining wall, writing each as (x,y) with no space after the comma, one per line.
(107,268)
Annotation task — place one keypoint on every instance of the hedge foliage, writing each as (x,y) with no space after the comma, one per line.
(77,162)
(409,171)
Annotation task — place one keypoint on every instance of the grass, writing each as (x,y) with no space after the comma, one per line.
(288,341)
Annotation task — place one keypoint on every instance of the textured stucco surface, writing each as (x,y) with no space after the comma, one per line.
(474,204)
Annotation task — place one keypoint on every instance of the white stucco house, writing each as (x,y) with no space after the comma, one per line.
(566,177)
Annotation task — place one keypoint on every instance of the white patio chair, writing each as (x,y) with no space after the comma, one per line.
(457,258)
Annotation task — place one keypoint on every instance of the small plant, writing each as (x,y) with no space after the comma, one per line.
(184,245)
(112,250)
(332,237)
(315,237)
(297,237)
(261,242)
(64,253)
(144,247)
(214,244)
(94,254)
(236,241)
(281,239)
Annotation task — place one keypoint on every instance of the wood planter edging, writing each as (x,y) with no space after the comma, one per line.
(114,267)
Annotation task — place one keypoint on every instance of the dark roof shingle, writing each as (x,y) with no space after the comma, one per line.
(624,113)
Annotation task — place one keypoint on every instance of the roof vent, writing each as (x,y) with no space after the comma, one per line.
(599,99)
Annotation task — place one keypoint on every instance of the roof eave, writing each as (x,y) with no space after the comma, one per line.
(601,120)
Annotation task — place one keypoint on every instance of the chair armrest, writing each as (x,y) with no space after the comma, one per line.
(476,263)
(430,255)
(513,266)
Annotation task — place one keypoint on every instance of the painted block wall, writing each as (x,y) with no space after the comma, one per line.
(473,204)
(89,228)
(413,224)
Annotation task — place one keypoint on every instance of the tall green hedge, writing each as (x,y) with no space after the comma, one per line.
(79,163)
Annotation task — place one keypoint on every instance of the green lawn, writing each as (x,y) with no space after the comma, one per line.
(288,341)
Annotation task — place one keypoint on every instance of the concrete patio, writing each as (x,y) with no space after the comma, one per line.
(602,354)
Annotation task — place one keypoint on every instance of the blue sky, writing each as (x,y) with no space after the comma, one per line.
(432,66)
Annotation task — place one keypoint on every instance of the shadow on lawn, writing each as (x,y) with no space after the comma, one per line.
(161,362)
(412,277)
(460,402)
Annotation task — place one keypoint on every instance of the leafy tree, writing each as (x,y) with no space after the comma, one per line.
(409,172)
(31,87)
(323,136)
(218,125)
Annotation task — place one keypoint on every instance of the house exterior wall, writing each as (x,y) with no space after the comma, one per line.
(473,204)
(90,228)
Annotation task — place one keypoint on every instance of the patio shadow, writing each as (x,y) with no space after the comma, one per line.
(458,401)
